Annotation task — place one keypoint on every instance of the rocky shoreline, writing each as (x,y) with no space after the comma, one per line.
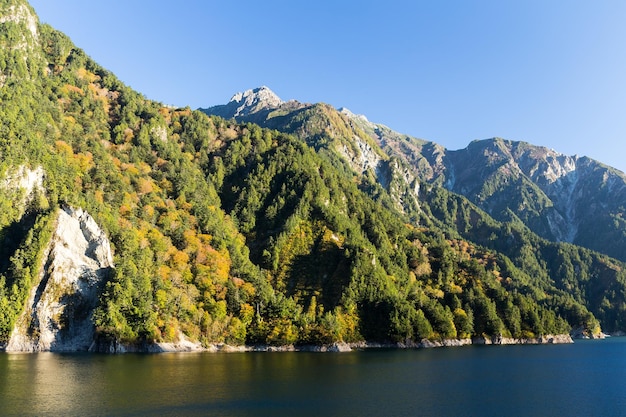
(185,345)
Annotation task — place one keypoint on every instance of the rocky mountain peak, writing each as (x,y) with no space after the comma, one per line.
(351,115)
(252,101)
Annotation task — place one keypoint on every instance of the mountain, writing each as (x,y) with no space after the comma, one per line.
(507,186)
(333,134)
(259,101)
(561,198)
(126,224)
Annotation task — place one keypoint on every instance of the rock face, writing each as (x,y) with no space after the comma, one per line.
(30,181)
(541,340)
(58,313)
(350,135)
(394,174)
(248,104)
(363,159)
(251,101)
(20,14)
(561,198)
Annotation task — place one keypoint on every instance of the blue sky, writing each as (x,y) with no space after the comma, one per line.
(548,72)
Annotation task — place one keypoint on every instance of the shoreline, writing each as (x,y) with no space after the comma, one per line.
(186,345)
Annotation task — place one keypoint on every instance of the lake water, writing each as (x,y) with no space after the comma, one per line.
(587,378)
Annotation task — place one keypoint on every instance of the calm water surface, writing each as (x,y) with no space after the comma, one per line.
(587,378)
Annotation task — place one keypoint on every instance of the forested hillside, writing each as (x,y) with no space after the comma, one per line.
(227,232)
(526,188)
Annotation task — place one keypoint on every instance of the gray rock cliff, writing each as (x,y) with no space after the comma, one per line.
(58,312)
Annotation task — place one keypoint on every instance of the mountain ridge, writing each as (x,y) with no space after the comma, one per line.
(510,191)
(556,189)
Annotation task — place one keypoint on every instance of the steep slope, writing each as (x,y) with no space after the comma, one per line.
(319,124)
(547,191)
(157,180)
(352,264)
(104,148)
(59,310)
(256,103)
(561,198)
(521,186)
(333,134)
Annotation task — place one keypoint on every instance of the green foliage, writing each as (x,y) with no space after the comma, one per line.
(573,282)
(22,271)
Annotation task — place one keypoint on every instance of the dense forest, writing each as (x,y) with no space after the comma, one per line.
(232,233)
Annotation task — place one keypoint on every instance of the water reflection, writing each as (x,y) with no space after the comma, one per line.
(44,383)
(521,380)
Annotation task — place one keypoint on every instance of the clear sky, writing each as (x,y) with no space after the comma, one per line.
(548,72)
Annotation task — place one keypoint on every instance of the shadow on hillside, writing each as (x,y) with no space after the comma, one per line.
(12,236)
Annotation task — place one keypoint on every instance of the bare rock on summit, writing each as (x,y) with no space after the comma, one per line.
(252,101)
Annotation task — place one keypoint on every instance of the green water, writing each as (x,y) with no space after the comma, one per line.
(584,379)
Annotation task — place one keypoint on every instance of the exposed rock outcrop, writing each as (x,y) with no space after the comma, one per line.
(394,175)
(583,333)
(29,181)
(182,344)
(493,340)
(541,340)
(362,160)
(20,14)
(251,101)
(58,313)
(561,198)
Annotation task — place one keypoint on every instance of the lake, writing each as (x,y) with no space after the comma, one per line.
(582,379)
